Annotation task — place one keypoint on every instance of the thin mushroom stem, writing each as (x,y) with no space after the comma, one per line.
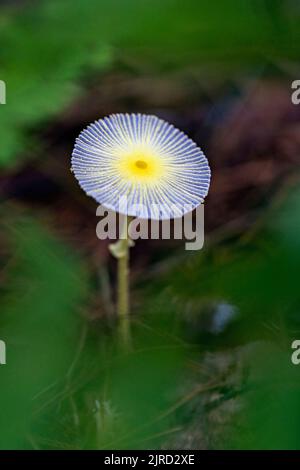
(120,250)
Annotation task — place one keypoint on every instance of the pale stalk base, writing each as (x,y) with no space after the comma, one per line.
(123,295)
(120,250)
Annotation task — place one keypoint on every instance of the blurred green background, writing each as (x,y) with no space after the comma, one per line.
(210,364)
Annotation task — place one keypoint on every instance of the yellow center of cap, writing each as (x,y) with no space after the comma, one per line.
(142,165)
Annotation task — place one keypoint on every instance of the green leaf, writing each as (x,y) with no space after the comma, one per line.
(39,323)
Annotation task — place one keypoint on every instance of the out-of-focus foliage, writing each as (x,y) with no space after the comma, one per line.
(40,322)
(257,279)
(70,385)
(67,384)
(258,276)
(46,49)
(49,46)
